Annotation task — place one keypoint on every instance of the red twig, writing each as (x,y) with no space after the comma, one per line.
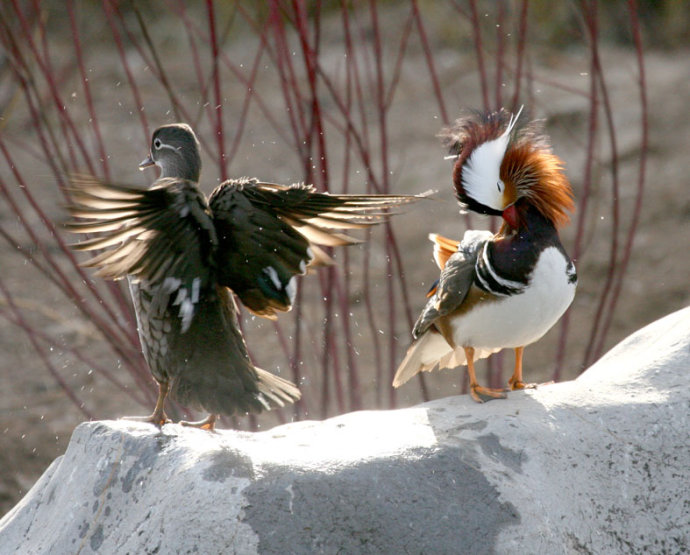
(38,349)
(500,54)
(613,251)
(217,96)
(642,168)
(520,53)
(429,58)
(591,29)
(93,115)
(479,53)
(134,88)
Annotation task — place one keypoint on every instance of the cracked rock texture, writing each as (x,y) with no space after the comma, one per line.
(597,465)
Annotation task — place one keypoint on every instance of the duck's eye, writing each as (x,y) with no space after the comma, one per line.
(157,144)
(499,186)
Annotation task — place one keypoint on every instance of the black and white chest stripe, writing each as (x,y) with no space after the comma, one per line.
(571,272)
(488,279)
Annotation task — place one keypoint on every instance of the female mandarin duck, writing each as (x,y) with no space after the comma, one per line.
(505,290)
(185,255)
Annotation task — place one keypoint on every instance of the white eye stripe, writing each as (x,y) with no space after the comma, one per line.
(158,144)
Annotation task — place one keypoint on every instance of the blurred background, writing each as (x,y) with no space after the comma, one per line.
(349,96)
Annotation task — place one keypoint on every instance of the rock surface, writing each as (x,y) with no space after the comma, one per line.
(597,465)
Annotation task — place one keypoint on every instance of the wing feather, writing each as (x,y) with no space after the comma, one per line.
(456,279)
(444,248)
(268,234)
(164,235)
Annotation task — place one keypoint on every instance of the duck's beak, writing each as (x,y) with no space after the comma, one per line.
(511,217)
(147,163)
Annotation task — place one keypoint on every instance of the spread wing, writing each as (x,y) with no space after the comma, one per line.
(457,276)
(268,234)
(163,235)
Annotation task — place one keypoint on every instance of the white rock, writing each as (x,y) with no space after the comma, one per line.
(600,465)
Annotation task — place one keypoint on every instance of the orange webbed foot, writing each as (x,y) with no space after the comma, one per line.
(158,417)
(519,384)
(482,394)
(158,420)
(208,423)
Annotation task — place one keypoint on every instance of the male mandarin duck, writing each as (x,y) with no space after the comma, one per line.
(505,290)
(185,255)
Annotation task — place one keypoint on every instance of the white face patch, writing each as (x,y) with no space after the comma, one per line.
(481,171)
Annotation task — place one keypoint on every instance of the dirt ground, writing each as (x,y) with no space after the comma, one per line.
(36,417)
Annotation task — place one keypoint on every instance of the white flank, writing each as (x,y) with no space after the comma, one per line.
(521,319)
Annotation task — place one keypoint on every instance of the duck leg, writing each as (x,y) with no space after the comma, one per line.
(479,393)
(158,416)
(515,381)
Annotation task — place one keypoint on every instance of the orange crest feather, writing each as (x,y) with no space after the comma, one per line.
(537,174)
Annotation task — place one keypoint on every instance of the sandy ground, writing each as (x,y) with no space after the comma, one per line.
(36,418)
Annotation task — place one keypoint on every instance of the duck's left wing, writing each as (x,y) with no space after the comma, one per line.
(458,260)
